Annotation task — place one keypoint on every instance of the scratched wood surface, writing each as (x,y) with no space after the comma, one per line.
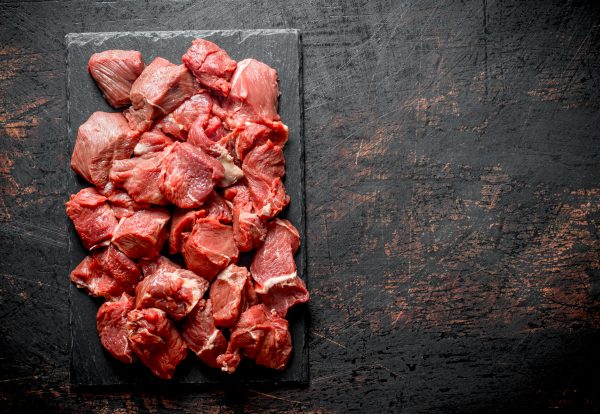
(453,203)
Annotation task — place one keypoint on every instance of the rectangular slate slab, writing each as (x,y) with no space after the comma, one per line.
(90,364)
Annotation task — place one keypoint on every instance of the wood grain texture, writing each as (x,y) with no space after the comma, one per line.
(453,204)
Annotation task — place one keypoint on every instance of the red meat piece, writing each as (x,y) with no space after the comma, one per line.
(111,321)
(249,230)
(254,94)
(211,65)
(260,335)
(228,294)
(274,270)
(114,72)
(209,248)
(176,292)
(201,335)
(123,205)
(102,139)
(197,108)
(150,142)
(188,175)
(161,88)
(155,341)
(143,234)
(160,263)
(93,218)
(251,135)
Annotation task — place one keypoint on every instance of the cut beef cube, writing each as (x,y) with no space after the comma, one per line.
(228,295)
(102,139)
(274,270)
(161,88)
(176,292)
(151,142)
(140,176)
(188,175)
(123,205)
(197,108)
(211,65)
(252,135)
(263,168)
(210,248)
(114,72)
(217,207)
(249,230)
(92,217)
(201,335)
(142,235)
(160,263)
(254,94)
(260,335)
(111,322)
(106,272)
(155,341)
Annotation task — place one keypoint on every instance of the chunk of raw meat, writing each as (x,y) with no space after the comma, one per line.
(160,263)
(263,168)
(260,335)
(111,322)
(106,272)
(188,175)
(211,65)
(176,292)
(182,223)
(249,230)
(123,205)
(151,142)
(274,269)
(102,139)
(217,207)
(197,108)
(142,235)
(114,72)
(92,217)
(140,176)
(155,341)
(254,94)
(251,135)
(228,295)
(161,88)
(210,248)
(201,335)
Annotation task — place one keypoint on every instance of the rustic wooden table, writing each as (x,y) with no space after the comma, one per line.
(453,200)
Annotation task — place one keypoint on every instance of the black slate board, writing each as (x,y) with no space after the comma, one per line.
(90,365)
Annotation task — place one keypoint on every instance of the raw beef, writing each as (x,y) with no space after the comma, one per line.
(92,217)
(250,135)
(260,335)
(197,108)
(142,235)
(161,88)
(155,341)
(228,295)
(111,322)
(188,175)
(274,269)
(176,292)
(159,263)
(150,142)
(123,205)
(210,248)
(201,335)
(211,65)
(254,94)
(249,230)
(102,139)
(115,71)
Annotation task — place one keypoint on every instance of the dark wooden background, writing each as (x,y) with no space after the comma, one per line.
(453,199)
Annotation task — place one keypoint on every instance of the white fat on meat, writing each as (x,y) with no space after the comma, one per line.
(278,280)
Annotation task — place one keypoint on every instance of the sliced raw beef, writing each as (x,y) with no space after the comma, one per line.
(93,218)
(188,175)
(106,272)
(111,321)
(142,235)
(249,230)
(211,65)
(102,139)
(274,269)
(155,341)
(228,295)
(201,335)
(254,94)
(260,335)
(150,142)
(176,292)
(161,88)
(160,263)
(123,205)
(140,176)
(115,71)
(210,248)
(178,123)
(251,135)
